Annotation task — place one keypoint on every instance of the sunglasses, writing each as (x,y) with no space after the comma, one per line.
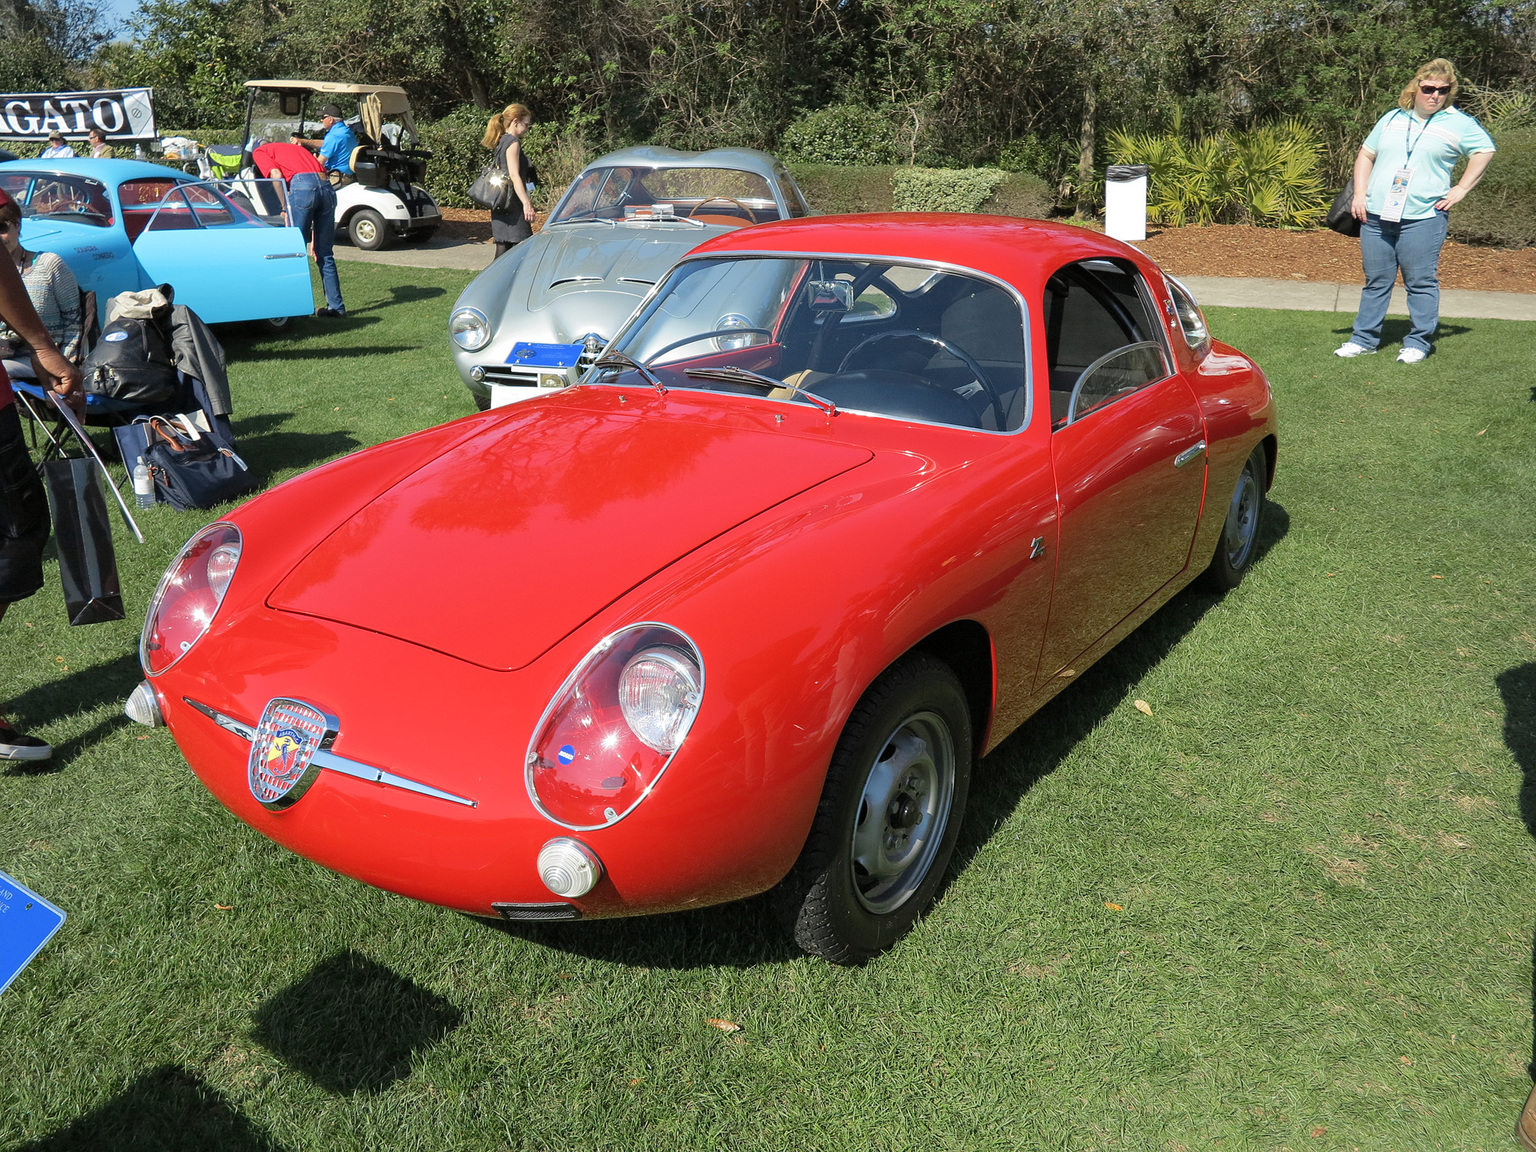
(5,226)
(1435,89)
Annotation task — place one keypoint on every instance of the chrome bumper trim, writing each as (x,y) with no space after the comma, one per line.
(328,760)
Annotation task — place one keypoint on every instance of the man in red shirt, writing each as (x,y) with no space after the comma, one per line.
(24,521)
(311,209)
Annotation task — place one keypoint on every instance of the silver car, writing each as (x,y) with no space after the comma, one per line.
(539,316)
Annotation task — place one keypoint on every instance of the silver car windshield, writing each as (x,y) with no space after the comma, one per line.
(632,193)
(887,338)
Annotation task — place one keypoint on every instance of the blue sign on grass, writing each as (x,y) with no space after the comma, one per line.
(27,922)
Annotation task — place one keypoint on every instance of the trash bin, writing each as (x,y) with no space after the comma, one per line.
(1125,201)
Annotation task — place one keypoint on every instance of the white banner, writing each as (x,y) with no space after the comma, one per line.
(121,113)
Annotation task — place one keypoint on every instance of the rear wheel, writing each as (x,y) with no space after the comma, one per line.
(367,231)
(1240,532)
(889,815)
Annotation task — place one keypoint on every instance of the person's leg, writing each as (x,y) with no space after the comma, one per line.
(1419,254)
(1378,259)
(325,242)
(24,528)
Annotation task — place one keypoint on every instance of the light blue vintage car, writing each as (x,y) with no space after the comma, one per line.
(537,317)
(124,225)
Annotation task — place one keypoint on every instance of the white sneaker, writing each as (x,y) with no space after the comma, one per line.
(1352,349)
(1411,355)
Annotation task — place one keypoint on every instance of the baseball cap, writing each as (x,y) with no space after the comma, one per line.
(55,135)
(332,111)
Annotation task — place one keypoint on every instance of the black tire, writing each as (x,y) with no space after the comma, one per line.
(913,719)
(1239,540)
(272,324)
(367,230)
(423,236)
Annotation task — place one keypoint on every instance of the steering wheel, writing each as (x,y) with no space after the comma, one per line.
(747,212)
(954,350)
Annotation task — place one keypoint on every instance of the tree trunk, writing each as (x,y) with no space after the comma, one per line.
(1085,204)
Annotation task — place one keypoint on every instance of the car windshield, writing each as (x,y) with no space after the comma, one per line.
(74,198)
(885,337)
(629,193)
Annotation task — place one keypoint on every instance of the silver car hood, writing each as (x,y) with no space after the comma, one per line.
(572,279)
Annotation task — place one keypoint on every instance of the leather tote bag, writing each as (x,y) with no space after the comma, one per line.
(493,189)
(83,536)
(191,468)
(1341,216)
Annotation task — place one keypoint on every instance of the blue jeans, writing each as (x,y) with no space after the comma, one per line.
(1413,246)
(312,208)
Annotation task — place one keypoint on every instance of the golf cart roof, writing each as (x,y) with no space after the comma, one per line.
(393,99)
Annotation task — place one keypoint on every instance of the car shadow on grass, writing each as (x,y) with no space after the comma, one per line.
(1518,687)
(353,1025)
(1039,746)
(269,453)
(83,690)
(165,1110)
(748,933)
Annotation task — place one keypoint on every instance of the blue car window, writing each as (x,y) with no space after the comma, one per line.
(77,199)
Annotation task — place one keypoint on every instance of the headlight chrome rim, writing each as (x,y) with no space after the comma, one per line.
(588,663)
(465,321)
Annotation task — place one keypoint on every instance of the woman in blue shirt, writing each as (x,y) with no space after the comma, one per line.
(1403,192)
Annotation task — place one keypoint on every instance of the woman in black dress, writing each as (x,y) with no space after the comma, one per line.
(504,134)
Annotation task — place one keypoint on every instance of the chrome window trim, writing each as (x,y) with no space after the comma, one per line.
(1073,417)
(328,760)
(939,265)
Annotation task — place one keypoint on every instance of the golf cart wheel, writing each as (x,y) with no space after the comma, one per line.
(423,236)
(367,231)
(889,816)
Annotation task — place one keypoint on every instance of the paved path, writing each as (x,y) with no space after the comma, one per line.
(1302,295)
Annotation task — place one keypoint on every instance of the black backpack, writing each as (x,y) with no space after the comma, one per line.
(132,362)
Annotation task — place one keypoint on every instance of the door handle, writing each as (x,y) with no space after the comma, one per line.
(1188,454)
(285,256)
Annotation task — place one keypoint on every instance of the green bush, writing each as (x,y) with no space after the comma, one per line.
(1501,210)
(1270,175)
(833,190)
(944,189)
(839,134)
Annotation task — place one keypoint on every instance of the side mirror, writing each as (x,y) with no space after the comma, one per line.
(292,103)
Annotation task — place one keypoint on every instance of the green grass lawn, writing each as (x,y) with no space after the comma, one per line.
(1292,908)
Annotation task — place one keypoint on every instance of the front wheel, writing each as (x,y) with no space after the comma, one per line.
(1240,532)
(889,815)
(366,229)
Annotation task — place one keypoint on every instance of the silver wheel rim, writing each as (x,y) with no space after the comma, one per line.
(903,812)
(1242,519)
(367,232)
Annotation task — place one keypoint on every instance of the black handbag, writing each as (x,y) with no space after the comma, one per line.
(493,189)
(83,536)
(1341,217)
(192,468)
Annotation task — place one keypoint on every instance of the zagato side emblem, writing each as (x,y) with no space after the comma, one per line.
(281,767)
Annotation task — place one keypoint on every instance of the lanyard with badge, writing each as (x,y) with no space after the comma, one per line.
(1397,193)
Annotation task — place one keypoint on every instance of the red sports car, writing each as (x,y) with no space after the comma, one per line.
(829,519)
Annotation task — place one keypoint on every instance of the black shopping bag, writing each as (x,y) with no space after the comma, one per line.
(83,535)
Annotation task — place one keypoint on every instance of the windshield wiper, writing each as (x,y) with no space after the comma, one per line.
(620,360)
(586,220)
(730,374)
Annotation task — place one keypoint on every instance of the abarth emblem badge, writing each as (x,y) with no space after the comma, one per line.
(282,762)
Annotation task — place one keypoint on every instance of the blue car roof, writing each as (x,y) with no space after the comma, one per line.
(112,172)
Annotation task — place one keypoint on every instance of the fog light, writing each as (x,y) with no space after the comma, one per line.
(552,380)
(477,374)
(142,707)
(568,867)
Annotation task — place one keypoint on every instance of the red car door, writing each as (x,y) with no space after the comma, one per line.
(1127,446)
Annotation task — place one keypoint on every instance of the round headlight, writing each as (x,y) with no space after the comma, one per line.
(470,329)
(731,343)
(659,694)
(189,596)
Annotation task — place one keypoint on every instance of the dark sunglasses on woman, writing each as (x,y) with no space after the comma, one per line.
(1435,89)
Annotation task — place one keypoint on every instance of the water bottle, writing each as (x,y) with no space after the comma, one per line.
(143,485)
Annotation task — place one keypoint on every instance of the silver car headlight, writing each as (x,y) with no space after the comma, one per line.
(470,329)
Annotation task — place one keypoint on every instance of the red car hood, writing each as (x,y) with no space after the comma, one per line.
(499,548)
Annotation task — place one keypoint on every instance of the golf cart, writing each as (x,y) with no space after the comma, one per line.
(386,201)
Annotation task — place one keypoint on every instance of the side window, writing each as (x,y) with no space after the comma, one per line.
(1101,340)
(208,206)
